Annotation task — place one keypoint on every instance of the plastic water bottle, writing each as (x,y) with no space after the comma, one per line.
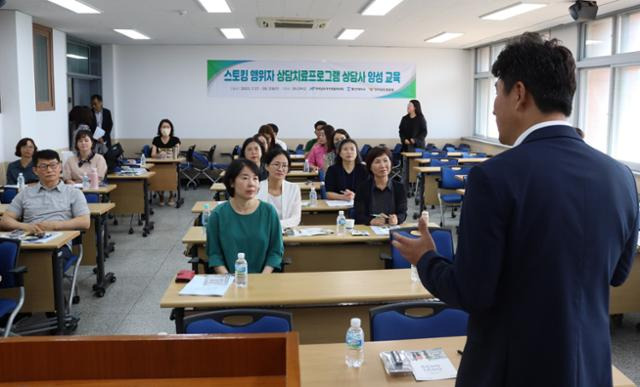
(20,182)
(204,218)
(143,161)
(242,271)
(313,197)
(415,277)
(306,167)
(94,181)
(341,221)
(355,345)
(85,181)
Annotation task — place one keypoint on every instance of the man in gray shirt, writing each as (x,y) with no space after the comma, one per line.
(50,205)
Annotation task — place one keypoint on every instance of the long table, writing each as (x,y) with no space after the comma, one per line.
(294,175)
(321,303)
(323,364)
(132,197)
(315,253)
(167,177)
(305,188)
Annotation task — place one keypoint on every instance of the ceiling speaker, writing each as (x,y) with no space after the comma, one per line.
(583,10)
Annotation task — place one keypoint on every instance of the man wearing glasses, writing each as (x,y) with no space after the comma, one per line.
(49,205)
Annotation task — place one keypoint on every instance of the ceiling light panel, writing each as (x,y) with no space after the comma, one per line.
(75,6)
(443,37)
(133,34)
(380,7)
(349,34)
(215,6)
(232,33)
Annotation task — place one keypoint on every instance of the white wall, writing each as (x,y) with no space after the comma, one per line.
(154,82)
(19,115)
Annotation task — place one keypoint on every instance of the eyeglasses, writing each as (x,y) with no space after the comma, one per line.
(280,166)
(44,167)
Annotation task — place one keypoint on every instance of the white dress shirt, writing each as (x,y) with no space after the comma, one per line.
(537,126)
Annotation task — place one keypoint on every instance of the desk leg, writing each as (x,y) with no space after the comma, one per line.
(58,293)
(405,174)
(148,224)
(179,200)
(177,314)
(102,280)
(423,183)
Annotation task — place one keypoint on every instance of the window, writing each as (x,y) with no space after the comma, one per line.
(483,60)
(482,106)
(83,58)
(598,38)
(629,32)
(485,91)
(627,114)
(594,99)
(43,67)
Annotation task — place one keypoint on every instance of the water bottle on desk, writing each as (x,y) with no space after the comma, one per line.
(341,221)
(204,219)
(313,197)
(20,182)
(355,344)
(94,181)
(306,167)
(143,161)
(85,181)
(242,271)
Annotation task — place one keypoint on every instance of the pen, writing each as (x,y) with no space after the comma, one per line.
(459,352)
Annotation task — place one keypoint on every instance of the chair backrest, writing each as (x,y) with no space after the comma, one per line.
(431,147)
(476,155)
(235,151)
(395,321)
(364,151)
(448,177)
(200,160)
(190,151)
(300,149)
(433,154)
(146,150)
(92,197)
(449,147)
(8,195)
(464,147)
(262,321)
(212,153)
(441,237)
(439,162)
(9,252)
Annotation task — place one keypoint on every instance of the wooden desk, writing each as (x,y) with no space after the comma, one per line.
(428,186)
(167,177)
(321,303)
(296,157)
(169,360)
(305,187)
(323,364)
(461,191)
(43,281)
(94,245)
(316,253)
(102,190)
(322,213)
(469,160)
(296,165)
(132,197)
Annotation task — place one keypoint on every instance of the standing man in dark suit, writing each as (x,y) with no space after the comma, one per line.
(545,228)
(101,119)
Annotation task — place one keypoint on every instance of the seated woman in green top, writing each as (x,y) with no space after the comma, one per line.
(244,224)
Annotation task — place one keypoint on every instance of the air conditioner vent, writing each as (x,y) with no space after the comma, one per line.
(292,23)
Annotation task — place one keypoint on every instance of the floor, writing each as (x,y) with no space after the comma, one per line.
(144,267)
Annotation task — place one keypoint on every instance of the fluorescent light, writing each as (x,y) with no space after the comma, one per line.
(380,7)
(232,33)
(443,37)
(512,10)
(349,34)
(215,6)
(74,56)
(75,6)
(592,42)
(133,34)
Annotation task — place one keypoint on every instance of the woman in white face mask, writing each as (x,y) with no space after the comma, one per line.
(165,145)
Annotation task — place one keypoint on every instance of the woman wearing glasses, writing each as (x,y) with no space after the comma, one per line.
(283,195)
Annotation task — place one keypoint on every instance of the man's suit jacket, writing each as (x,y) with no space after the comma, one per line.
(107,124)
(545,228)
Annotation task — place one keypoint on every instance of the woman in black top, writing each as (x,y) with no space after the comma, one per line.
(380,200)
(345,176)
(253,150)
(165,145)
(413,127)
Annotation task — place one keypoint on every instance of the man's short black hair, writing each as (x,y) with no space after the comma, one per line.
(274,127)
(23,142)
(45,154)
(320,124)
(233,170)
(268,158)
(96,96)
(547,70)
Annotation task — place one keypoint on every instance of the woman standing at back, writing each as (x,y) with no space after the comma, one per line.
(413,127)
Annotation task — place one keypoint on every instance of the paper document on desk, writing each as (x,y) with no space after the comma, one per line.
(339,203)
(431,364)
(207,285)
(28,238)
(382,230)
(132,171)
(313,231)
